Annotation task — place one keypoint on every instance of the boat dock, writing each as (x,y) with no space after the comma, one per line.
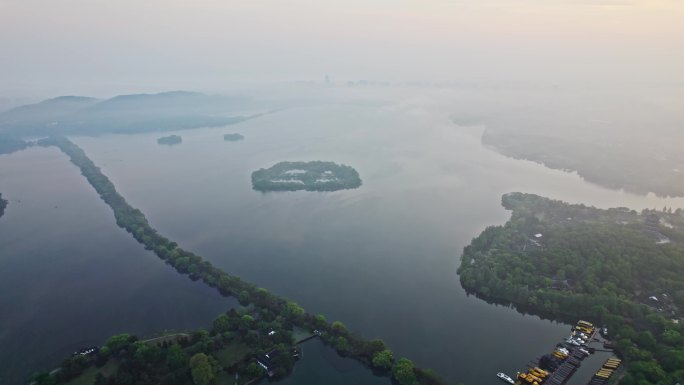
(558,367)
(606,372)
(315,334)
(567,369)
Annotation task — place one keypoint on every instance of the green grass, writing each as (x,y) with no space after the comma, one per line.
(231,354)
(88,376)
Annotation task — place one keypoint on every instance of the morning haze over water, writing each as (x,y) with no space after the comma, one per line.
(441,107)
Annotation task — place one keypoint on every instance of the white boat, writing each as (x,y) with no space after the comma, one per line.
(505,378)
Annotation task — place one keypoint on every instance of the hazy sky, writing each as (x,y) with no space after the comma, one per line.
(91,46)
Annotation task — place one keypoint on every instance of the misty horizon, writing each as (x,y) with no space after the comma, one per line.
(79,47)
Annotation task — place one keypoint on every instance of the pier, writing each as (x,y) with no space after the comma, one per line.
(315,334)
(559,366)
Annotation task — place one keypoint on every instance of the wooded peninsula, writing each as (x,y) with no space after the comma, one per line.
(615,267)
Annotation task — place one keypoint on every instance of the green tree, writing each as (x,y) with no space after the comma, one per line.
(221,324)
(672,337)
(44,378)
(646,340)
(243,297)
(118,342)
(201,370)
(255,370)
(383,359)
(175,357)
(403,372)
(341,344)
(320,321)
(338,328)
(377,345)
(246,321)
(292,311)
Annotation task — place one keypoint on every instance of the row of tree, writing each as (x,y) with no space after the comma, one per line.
(371,353)
(587,265)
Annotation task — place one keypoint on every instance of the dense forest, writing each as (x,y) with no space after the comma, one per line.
(373,353)
(617,267)
(309,176)
(230,347)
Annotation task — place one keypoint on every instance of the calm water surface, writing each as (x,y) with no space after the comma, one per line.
(320,364)
(70,278)
(382,258)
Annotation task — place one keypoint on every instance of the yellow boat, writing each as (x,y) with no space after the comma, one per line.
(585,324)
(541,373)
(530,378)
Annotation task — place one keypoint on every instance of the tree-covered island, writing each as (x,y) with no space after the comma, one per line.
(617,267)
(241,341)
(170,140)
(233,137)
(3,205)
(309,176)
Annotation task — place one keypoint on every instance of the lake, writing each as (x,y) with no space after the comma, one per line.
(70,277)
(382,258)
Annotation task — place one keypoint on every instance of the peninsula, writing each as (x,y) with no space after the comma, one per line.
(309,176)
(615,267)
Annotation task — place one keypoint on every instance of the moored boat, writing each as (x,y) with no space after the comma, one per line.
(506,378)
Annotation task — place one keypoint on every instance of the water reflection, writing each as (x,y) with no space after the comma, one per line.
(70,278)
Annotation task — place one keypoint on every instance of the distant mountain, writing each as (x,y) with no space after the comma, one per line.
(124,113)
(51,109)
(175,102)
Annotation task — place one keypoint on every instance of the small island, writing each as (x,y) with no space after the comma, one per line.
(309,176)
(3,205)
(170,140)
(233,137)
